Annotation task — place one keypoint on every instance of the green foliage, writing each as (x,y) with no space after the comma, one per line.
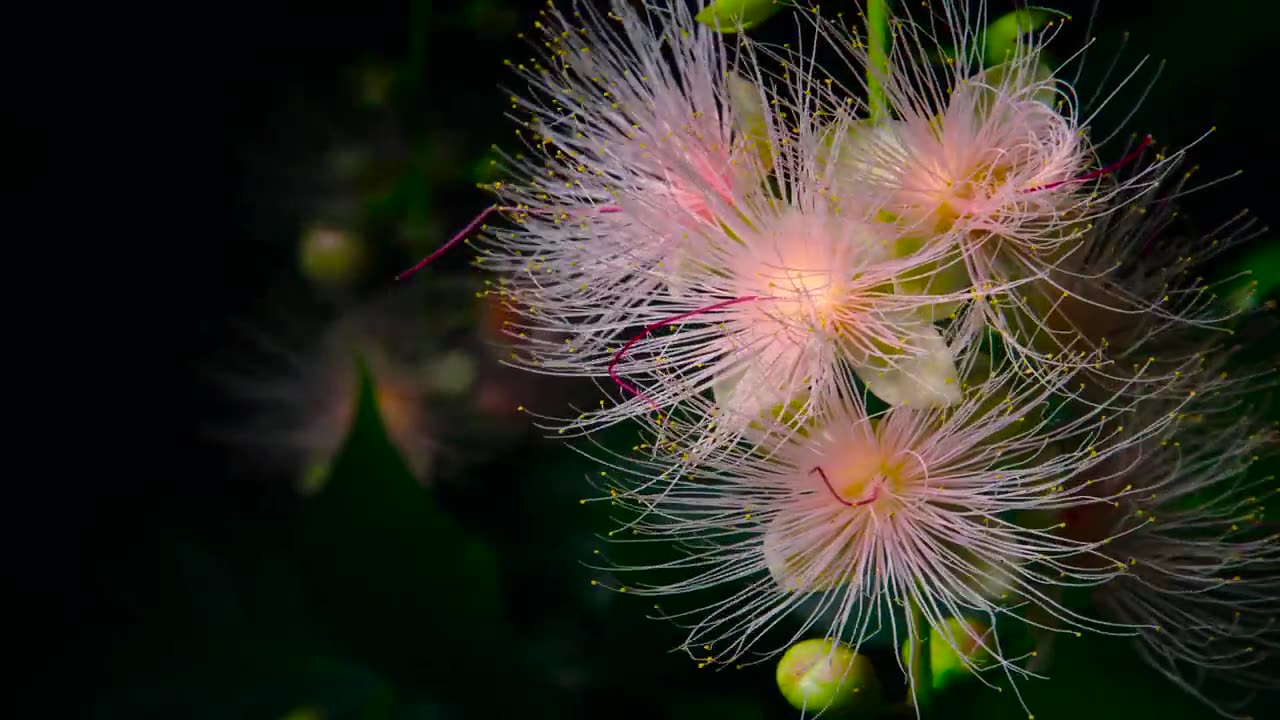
(732,16)
(1256,276)
(946,666)
(383,562)
(919,663)
(1002,35)
(998,41)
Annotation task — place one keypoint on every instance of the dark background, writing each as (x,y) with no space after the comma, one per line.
(206,587)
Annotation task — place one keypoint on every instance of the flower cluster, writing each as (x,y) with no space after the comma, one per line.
(898,332)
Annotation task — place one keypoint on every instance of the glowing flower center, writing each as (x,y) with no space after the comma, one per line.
(977,160)
(803,271)
(947,193)
(804,293)
(861,476)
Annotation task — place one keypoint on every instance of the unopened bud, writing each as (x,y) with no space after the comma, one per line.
(453,373)
(820,675)
(947,664)
(331,258)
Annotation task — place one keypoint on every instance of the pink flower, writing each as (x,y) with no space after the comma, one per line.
(638,137)
(994,168)
(696,279)
(838,517)
(303,398)
(789,298)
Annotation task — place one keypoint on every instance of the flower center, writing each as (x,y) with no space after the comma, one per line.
(804,269)
(864,476)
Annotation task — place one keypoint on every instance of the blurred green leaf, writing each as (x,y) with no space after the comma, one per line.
(749,115)
(1001,36)
(404,589)
(919,654)
(731,16)
(995,77)
(485,170)
(946,666)
(1257,275)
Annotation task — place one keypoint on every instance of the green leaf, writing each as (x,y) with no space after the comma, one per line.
(484,170)
(996,77)
(731,16)
(1002,35)
(403,588)
(1257,275)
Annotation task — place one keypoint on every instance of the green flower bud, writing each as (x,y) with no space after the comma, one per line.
(820,675)
(947,664)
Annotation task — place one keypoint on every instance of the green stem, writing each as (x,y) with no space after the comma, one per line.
(919,665)
(877,56)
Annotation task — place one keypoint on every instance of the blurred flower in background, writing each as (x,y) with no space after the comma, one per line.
(433,362)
